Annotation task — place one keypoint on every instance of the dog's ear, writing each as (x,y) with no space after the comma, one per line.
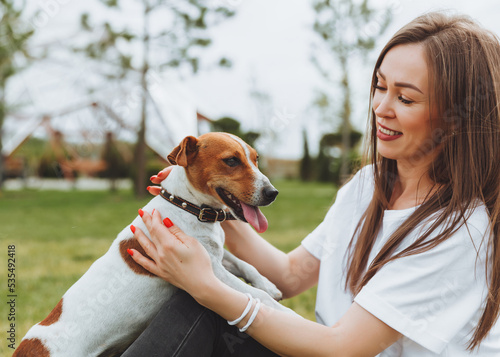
(184,153)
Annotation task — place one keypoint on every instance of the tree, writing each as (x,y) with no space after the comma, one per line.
(232,126)
(328,161)
(306,164)
(176,46)
(116,165)
(14,36)
(347,28)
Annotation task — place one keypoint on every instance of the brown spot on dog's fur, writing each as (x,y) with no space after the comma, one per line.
(132,243)
(31,348)
(54,315)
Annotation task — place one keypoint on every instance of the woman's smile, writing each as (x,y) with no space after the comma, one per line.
(387,134)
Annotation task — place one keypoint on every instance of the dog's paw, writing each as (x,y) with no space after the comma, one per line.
(269,288)
(276,294)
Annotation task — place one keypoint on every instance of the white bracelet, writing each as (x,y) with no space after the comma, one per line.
(245,312)
(252,317)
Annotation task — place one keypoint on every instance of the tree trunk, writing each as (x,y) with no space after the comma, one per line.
(140,154)
(346,124)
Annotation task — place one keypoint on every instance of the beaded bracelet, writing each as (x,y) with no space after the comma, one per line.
(245,312)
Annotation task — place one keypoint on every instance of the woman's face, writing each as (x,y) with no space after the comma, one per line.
(401,106)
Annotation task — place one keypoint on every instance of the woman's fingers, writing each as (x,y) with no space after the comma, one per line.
(175,257)
(149,249)
(176,231)
(146,263)
(157,229)
(157,179)
(154,190)
(144,242)
(162,175)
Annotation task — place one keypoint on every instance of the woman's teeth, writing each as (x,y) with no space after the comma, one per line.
(389,132)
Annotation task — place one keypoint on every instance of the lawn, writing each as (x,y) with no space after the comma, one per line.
(58,235)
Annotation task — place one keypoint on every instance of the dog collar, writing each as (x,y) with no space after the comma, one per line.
(204,213)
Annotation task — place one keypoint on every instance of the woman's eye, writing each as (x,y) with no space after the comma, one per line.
(379,87)
(232,161)
(404,101)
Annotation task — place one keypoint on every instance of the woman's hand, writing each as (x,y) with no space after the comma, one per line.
(175,257)
(157,179)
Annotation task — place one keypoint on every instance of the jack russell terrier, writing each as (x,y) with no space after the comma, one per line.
(214,172)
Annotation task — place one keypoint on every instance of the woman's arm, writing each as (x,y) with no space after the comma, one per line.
(182,260)
(292,273)
(358,333)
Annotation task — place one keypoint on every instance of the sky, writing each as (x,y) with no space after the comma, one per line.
(269,44)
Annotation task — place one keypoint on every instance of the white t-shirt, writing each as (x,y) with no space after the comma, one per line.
(434,299)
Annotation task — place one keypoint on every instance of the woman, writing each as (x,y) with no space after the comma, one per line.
(407,260)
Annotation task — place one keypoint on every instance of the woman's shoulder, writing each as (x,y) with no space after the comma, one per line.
(362,179)
(358,189)
(473,229)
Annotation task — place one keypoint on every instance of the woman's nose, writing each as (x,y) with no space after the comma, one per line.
(383,107)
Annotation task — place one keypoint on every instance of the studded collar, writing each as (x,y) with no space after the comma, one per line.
(204,213)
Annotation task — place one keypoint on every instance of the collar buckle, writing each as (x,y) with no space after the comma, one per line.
(200,216)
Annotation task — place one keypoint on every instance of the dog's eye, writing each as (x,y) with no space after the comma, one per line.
(232,161)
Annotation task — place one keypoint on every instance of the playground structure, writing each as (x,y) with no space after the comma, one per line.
(171,115)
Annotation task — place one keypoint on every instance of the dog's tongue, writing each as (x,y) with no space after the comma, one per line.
(254,216)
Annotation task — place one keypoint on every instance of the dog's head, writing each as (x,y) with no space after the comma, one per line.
(225,167)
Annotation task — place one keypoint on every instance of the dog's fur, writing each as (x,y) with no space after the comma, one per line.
(113,302)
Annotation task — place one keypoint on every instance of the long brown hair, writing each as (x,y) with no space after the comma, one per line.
(464,76)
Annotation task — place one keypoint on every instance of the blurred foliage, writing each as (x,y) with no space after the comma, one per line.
(14,37)
(41,160)
(346,29)
(48,167)
(326,167)
(329,160)
(232,126)
(50,164)
(116,164)
(307,165)
(154,163)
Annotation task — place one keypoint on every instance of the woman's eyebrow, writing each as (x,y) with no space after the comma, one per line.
(400,84)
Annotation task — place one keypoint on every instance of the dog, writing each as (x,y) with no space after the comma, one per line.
(215,178)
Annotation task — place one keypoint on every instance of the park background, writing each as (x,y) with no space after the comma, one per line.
(90,106)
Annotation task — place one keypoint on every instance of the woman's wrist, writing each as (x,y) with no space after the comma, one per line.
(208,291)
(223,300)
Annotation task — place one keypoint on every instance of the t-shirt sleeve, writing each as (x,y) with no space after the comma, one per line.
(313,243)
(347,198)
(429,297)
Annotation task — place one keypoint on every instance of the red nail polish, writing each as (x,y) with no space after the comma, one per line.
(152,178)
(141,212)
(147,188)
(130,251)
(167,222)
(132,228)
(153,212)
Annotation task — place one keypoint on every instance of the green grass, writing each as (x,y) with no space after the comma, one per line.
(58,235)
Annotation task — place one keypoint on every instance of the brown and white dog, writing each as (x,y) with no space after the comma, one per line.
(114,301)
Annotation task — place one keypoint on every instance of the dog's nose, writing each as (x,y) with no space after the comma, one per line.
(270,193)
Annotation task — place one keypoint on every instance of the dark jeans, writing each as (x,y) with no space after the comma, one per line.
(183,328)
